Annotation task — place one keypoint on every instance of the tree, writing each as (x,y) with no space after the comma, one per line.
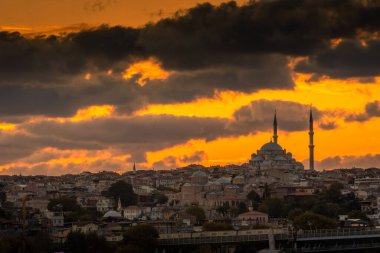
(159,198)
(274,207)
(198,212)
(294,213)
(358,215)
(64,204)
(10,244)
(223,210)
(310,220)
(333,193)
(255,199)
(122,190)
(3,195)
(242,207)
(85,243)
(139,239)
(266,191)
(41,243)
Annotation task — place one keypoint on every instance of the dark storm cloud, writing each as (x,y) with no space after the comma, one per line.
(18,145)
(336,162)
(371,110)
(197,156)
(329,125)
(174,162)
(271,71)
(348,59)
(258,115)
(64,101)
(202,36)
(54,59)
(136,135)
(227,47)
(132,130)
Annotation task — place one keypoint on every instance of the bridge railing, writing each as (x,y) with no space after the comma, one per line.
(279,234)
(343,232)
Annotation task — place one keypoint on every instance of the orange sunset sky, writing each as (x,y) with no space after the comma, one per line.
(208,101)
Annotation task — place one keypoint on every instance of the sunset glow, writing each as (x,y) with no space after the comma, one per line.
(117,83)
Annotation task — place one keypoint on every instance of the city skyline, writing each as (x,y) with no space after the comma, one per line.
(88,86)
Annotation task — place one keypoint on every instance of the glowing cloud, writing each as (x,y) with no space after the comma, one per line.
(7,126)
(91,112)
(146,70)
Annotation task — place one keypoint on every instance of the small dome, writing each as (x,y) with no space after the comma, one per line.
(112,214)
(258,158)
(199,174)
(223,180)
(280,158)
(271,146)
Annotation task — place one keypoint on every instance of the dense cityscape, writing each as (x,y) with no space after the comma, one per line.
(189,126)
(271,191)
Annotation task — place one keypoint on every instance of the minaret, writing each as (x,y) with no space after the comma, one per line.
(119,207)
(134,166)
(275,136)
(311,142)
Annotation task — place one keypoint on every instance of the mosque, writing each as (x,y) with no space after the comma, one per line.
(271,163)
(272,159)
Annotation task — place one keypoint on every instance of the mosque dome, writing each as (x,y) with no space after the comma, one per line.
(280,158)
(199,177)
(238,180)
(271,146)
(223,180)
(199,174)
(258,158)
(112,214)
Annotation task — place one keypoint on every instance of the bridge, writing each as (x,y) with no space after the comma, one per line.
(338,240)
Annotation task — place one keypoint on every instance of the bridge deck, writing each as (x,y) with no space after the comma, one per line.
(301,236)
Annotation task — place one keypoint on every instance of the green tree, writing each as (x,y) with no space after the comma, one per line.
(41,243)
(10,244)
(358,215)
(198,212)
(274,207)
(223,210)
(64,204)
(255,199)
(139,239)
(122,190)
(333,193)
(159,198)
(294,213)
(233,211)
(310,220)
(242,207)
(3,195)
(266,191)
(87,243)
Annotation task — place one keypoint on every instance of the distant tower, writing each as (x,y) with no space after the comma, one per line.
(311,141)
(119,207)
(275,136)
(134,166)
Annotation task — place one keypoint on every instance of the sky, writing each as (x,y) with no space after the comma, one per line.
(93,85)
